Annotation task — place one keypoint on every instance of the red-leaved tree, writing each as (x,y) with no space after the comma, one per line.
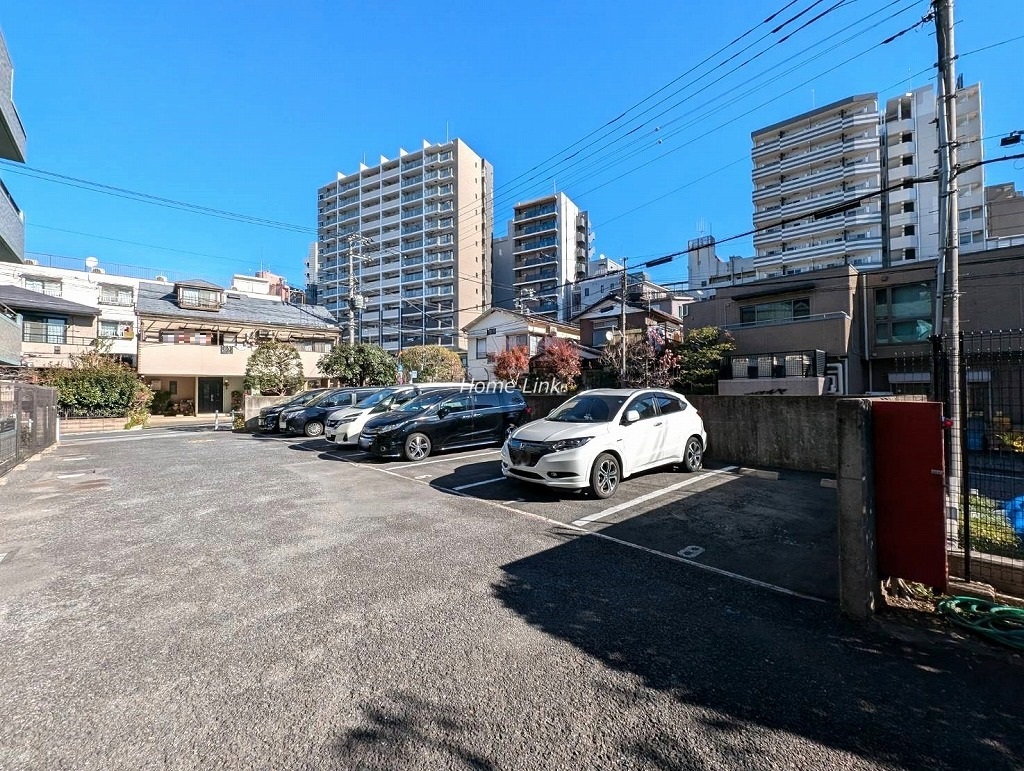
(559,359)
(512,364)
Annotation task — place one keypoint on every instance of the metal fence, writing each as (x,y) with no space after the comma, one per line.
(985,452)
(28,421)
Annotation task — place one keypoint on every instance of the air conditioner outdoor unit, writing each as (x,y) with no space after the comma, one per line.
(31,262)
(98,270)
(162,279)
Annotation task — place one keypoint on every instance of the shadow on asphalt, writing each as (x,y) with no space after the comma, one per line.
(749,658)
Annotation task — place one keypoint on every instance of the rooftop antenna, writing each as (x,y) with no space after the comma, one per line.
(812,99)
(446,139)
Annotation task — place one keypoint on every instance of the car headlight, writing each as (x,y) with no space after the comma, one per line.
(390,429)
(569,444)
(342,421)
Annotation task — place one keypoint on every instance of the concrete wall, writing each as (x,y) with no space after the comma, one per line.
(252,405)
(795,432)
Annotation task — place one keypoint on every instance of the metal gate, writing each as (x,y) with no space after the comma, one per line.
(28,421)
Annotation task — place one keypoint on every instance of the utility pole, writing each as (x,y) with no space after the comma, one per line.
(622,324)
(949,275)
(355,301)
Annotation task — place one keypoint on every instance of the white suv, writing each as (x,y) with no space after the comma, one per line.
(598,438)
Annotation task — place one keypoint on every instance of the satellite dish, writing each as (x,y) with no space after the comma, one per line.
(91,262)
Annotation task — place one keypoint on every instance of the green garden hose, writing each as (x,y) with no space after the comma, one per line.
(1001,623)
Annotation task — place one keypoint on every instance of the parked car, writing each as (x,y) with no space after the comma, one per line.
(445,419)
(344,425)
(268,419)
(311,418)
(598,438)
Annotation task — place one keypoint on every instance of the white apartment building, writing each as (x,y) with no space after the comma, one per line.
(549,250)
(419,227)
(911,142)
(818,160)
(48,338)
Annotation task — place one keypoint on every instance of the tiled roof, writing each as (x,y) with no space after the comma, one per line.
(19,299)
(159,299)
(199,283)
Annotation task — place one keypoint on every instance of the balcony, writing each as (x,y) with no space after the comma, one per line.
(541,260)
(814,179)
(770,191)
(12,228)
(12,132)
(534,278)
(797,373)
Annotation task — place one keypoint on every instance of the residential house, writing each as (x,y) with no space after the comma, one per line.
(52,328)
(195,339)
(110,298)
(793,334)
(500,329)
(601,321)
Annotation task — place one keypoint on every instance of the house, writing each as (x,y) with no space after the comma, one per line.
(111,298)
(500,329)
(195,339)
(793,334)
(52,328)
(600,321)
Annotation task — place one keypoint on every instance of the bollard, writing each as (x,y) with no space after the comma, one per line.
(216,420)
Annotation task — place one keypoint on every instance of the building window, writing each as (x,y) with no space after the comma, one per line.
(43,286)
(44,330)
(908,230)
(908,160)
(481,347)
(908,206)
(782,310)
(910,253)
(907,136)
(117,330)
(516,341)
(903,314)
(115,295)
(204,299)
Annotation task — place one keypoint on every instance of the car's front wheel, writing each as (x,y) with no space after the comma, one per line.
(417,447)
(313,428)
(693,454)
(605,475)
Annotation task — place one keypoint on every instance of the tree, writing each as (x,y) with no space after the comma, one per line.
(700,358)
(512,364)
(433,364)
(558,358)
(650,361)
(97,385)
(362,364)
(274,368)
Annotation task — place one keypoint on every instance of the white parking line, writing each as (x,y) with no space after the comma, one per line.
(454,457)
(71,476)
(650,496)
(477,484)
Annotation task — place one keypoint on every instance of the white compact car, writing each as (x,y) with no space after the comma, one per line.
(598,438)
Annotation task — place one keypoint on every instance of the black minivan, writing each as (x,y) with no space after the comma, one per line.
(445,419)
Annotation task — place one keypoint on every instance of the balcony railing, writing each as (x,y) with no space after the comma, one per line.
(832,315)
(780,364)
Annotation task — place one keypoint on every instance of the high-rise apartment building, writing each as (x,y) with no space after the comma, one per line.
(911,140)
(816,161)
(546,250)
(417,229)
(312,272)
(12,147)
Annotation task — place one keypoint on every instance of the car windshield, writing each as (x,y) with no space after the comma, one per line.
(304,399)
(588,409)
(374,399)
(425,402)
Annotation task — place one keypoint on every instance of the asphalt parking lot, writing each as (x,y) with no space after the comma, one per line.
(197,599)
(757,525)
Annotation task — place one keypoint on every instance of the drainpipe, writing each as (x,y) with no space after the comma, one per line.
(865,343)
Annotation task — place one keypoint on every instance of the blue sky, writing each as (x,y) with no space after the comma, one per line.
(250,107)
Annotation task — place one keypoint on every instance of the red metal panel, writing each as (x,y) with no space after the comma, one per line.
(909,469)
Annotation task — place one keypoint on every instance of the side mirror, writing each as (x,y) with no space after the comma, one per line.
(632,416)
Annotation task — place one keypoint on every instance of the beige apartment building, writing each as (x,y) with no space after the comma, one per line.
(417,231)
(195,339)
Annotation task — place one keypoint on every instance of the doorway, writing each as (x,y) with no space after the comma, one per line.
(211,395)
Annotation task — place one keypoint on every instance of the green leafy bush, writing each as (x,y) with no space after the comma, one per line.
(96,385)
(991,532)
